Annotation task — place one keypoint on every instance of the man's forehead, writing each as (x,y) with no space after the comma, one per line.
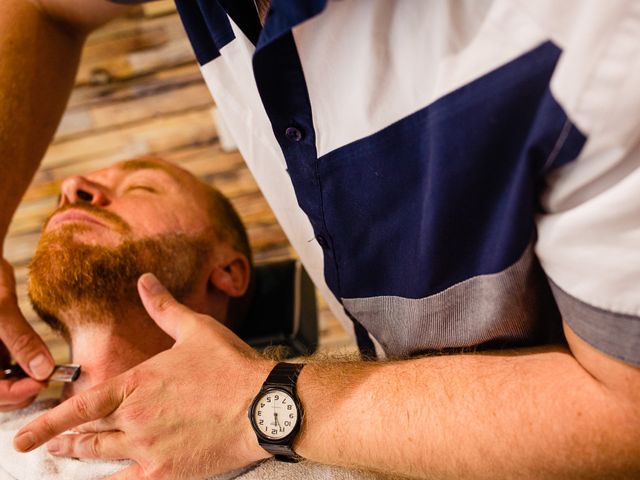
(127,167)
(147,164)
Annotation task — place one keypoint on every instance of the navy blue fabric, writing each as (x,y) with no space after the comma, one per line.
(283,91)
(285,14)
(447,193)
(209,29)
(207,26)
(443,195)
(245,15)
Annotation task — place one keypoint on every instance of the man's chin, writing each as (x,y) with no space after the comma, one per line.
(74,269)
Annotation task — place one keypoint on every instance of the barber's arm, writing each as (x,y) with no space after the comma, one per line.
(40,44)
(537,413)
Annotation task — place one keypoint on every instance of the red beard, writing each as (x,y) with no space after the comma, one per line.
(66,274)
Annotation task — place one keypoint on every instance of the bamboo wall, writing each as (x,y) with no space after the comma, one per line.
(139,91)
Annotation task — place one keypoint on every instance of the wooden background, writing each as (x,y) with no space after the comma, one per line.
(139,91)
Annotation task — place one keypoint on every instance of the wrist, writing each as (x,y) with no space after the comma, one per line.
(336,397)
(301,445)
(276,414)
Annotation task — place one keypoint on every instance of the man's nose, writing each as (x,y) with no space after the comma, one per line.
(79,189)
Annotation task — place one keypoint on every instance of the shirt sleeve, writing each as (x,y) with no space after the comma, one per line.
(589,246)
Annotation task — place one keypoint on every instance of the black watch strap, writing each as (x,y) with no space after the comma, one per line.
(283,453)
(283,375)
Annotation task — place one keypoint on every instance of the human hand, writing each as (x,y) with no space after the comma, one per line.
(20,340)
(180,414)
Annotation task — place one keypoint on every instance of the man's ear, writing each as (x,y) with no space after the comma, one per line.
(231,275)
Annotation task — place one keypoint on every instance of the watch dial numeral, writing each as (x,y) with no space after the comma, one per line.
(275,414)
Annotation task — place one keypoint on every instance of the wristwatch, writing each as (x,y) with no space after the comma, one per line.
(276,412)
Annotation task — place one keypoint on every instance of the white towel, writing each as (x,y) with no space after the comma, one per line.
(40,465)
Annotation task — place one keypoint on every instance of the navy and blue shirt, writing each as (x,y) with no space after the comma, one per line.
(452,174)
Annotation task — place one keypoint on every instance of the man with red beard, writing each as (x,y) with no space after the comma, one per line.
(112,226)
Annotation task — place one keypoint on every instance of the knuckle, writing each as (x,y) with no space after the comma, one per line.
(135,414)
(164,303)
(22,344)
(146,441)
(47,426)
(95,446)
(134,378)
(81,407)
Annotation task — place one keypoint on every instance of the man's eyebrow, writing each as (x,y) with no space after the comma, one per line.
(149,165)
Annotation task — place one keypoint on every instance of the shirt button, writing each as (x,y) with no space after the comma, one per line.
(293,134)
(322,242)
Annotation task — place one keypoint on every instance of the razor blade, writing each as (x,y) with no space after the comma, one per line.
(61,373)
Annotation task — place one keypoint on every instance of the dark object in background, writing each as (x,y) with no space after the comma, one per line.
(283,312)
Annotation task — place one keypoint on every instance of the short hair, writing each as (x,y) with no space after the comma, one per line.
(226,222)
(228,228)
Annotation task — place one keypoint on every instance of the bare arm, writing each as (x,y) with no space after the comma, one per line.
(40,44)
(545,413)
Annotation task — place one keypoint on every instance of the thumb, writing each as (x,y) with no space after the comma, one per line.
(26,346)
(172,317)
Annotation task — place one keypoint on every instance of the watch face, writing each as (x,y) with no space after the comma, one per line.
(275,414)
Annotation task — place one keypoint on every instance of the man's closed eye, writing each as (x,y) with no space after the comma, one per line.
(141,187)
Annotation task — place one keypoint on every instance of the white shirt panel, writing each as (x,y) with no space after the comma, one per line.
(589,243)
(231,82)
(425,50)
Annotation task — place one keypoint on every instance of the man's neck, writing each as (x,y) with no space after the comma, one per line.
(106,347)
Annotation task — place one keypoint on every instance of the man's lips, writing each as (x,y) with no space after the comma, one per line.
(75,216)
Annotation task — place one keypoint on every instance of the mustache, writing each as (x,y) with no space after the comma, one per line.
(110,218)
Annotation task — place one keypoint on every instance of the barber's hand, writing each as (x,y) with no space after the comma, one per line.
(23,343)
(180,414)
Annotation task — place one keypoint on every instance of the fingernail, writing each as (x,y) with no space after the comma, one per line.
(151,283)
(24,442)
(54,446)
(41,366)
